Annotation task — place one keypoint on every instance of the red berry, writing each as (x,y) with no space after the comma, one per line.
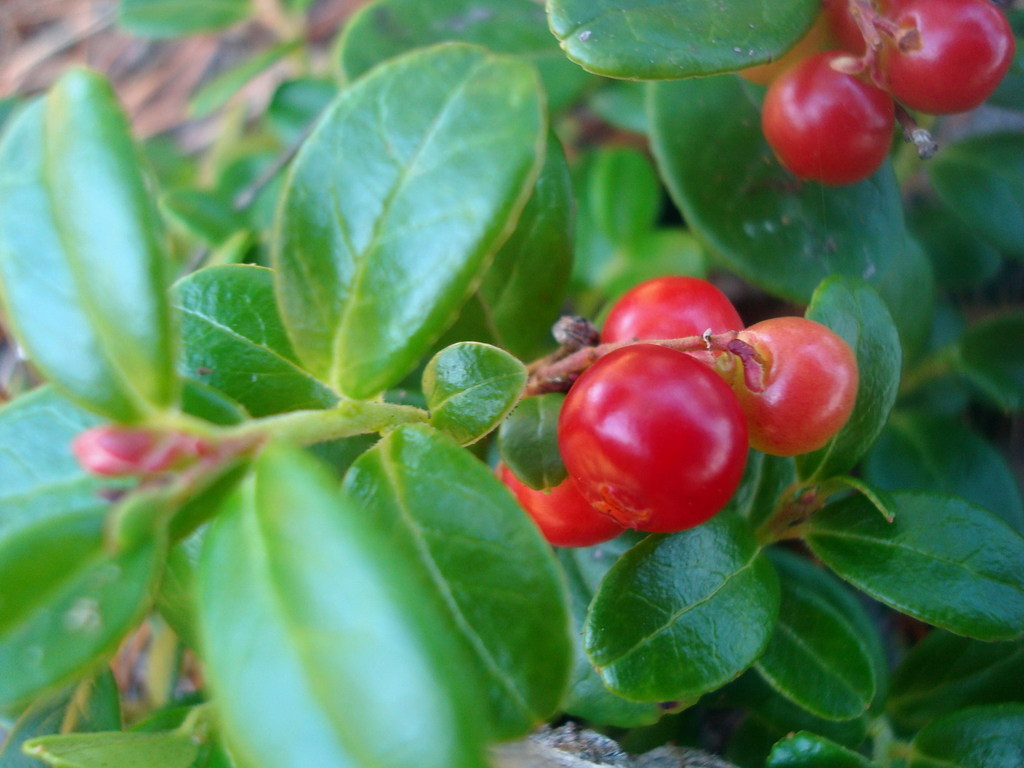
(114,451)
(562,514)
(670,308)
(826,125)
(949,54)
(802,388)
(842,27)
(653,438)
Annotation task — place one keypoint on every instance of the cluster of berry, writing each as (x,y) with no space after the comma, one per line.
(828,114)
(655,438)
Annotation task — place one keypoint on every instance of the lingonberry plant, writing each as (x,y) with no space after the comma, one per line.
(295,473)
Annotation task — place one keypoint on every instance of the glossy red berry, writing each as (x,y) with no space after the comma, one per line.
(842,27)
(949,55)
(114,450)
(801,388)
(562,514)
(825,125)
(653,438)
(670,308)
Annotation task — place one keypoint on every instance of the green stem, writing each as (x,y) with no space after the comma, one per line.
(796,505)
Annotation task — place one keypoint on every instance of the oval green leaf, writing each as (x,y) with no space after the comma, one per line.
(448,516)
(765,479)
(819,656)
(170,749)
(218,91)
(991,356)
(783,236)
(588,696)
(980,737)
(528,441)
(80,251)
(176,18)
(342,633)
(234,341)
(945,672)
(853,309)
(981,179)
(808,750)
(396,203)
(622,219)
(919,450)
(681,615)
(655,39)
(386,28)
(942,560)
(470,387)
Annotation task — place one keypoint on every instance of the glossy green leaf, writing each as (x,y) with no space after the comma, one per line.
(808,750)
(208,215)
(960,258)
(470,387)
(88,705)
(981,737)
(622,218)
(622,103)
(216,92)
(521,293)
(655,39)
(386,28)
(783,236)
(991,356)
(80,251)
(981,179)
(819,656)
(396,203)
(681,615)
(449,516)
(300,597)
(175,18)
(765,479)
(296,104)
(660,252)
(934,540)
(945,672)
(528,441)
(920,450)
(234,341)
(588,696)
(109,749)
(176,599)
(853,309)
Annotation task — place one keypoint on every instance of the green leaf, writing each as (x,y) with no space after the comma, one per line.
(528,441)
(931,452)
(175,18)
(522,291)
(783,236)
(80,251)
(622,103)
(208,215)
(819,656)
(296,104)
(655,39)
(934,540)
(945,672)
(395,205)
(89,705)
(171,749)
(765,479)
(470,387)
(588,697)
(981,737)
(681,615)
(234,341)
(386,28)
(960,258)
(216,92)
(981,179)
(176,599)
(808,750)
(853,309)
(991,356)
(448,516)
(300,597)
(622,218)
(660,252)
